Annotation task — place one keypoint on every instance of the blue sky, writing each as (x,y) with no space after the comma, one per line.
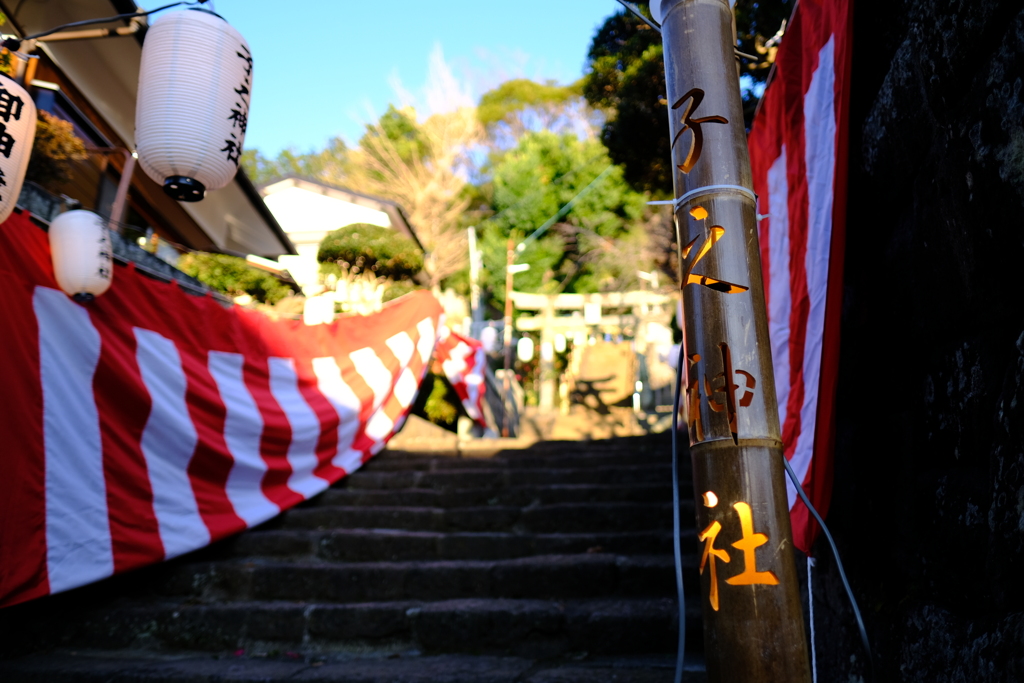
(325,67)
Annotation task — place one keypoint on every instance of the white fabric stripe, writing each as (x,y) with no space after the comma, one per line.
(379,426)
(372,369)
(475,384)
(284,385)
(346,404)
(402,346)
(168,443)
(820,144)
(780,300)
(78,545)
(406,388)
(427,339)
(243,427)
(380,380)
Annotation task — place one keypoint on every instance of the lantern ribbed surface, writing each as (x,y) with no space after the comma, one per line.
(524,349)
(82,253)
(17,132)
(195,82)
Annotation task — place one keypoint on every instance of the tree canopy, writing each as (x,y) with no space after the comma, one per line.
(311,165)
(233,276)
(365,248)
(625,77)
(530,184)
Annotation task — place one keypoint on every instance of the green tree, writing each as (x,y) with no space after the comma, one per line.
(365,248)
(233,276)
(420,165)
(529,185)
(625,77)
(54,151)
(288,162)
(403,136)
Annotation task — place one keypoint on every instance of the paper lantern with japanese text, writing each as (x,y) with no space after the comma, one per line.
(195,82)
(524,349)
(17,133)
(83,262)
(561,343)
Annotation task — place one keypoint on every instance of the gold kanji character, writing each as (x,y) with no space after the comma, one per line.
(695,97)
(729,389)
(715,233)
(708,536)
(750,541)
(693,421)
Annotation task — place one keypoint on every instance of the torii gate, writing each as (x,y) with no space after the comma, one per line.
(647,307)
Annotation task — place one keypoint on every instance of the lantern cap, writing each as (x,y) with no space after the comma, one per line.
(184,189)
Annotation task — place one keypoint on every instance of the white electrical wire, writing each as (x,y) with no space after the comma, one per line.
(676,541)
(810,605)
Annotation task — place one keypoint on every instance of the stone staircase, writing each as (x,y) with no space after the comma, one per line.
(548,564)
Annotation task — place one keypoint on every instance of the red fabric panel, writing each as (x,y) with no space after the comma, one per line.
(195,326)
(780,121)
(22,486)
(124,404)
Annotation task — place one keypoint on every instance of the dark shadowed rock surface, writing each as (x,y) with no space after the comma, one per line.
(928,505)
(552,564)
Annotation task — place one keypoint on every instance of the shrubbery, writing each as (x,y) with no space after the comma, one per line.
(233,276)
(54,149)
(364,248)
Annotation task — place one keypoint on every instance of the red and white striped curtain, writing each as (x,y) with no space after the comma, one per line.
(150,422)
(464,362)
(798,154)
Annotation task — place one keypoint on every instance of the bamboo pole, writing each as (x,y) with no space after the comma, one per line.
(753,627)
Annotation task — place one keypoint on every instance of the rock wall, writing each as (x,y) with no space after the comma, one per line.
(928,505)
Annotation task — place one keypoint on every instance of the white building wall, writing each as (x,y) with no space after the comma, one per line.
(307,217)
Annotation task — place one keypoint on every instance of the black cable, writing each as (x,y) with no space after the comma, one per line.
(676,541)
(636,10)
(14,44)
(839,564)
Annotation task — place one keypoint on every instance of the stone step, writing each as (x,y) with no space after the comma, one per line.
(520,496)
(93,667)
(501,477)
(421,463)
(525,628)
(565,518)
(370,545)
(552,577)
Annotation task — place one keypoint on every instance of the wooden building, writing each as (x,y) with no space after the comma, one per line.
(93,83)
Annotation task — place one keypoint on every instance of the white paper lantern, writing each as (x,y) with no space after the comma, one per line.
(195,83)
(524,349)
(82,254)
(17,132)
(489,338)
(560,342)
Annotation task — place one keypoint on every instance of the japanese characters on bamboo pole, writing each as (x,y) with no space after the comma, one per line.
(753,625)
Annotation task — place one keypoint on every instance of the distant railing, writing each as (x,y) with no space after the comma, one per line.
(44,206)
(41,203)
(499,406)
